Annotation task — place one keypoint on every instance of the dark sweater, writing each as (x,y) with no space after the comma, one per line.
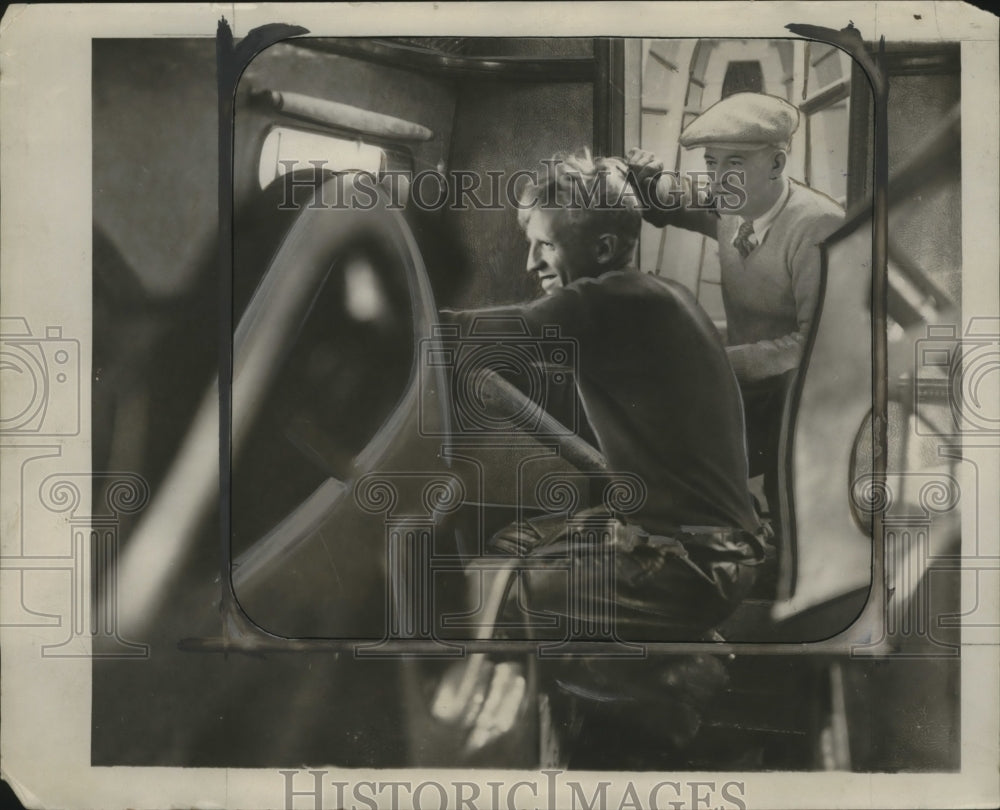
(658,390)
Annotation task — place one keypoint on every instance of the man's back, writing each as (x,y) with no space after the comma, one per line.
(659,392)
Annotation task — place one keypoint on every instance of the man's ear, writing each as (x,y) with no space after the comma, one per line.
(607,247)
(778,164)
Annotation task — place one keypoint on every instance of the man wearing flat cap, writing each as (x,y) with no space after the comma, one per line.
(768,249)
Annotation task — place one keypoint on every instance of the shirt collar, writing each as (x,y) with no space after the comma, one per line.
(763,223)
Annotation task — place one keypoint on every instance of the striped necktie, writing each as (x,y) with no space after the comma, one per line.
(742,240)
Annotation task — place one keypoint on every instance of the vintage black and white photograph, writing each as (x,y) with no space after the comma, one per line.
(529,408)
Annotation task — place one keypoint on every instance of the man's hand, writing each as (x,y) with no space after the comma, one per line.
(662,192)
(766,358)
(670,198)
(647,169)
(645,166)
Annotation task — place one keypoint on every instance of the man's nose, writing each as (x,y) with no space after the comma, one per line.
(534,263)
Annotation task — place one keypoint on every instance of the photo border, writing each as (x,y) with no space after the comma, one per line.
(46,728)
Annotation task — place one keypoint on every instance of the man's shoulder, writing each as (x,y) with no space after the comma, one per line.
(631,293)
(646,295)
(629,281)
(809,204)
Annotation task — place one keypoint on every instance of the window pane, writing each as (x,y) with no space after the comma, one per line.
(826,66)
(284,144)
(828,150)
(743,76)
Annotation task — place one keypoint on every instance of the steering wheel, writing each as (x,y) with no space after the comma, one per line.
(322,247)
(315,248)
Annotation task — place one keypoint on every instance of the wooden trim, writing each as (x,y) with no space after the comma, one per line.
(927,59)
(609,97)
(333,115)
(826,97)
(692,80)
(904,59)
(807,158)
(824,56)
(663,61)
(806,67)
(859,139)
(408,57)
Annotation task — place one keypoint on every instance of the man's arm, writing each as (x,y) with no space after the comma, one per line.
(769,358)
(668,199)
(563,309)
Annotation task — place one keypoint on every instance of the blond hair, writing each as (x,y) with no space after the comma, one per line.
(593,193)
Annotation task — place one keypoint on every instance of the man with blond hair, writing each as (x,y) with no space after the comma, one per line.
(660,395)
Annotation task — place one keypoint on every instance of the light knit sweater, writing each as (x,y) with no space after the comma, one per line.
(770,297)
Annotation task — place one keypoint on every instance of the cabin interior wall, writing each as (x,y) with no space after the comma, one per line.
(505,127)
(927,227)
(154,156)
(924,88)
(155,140)
(399,93)
(915,704)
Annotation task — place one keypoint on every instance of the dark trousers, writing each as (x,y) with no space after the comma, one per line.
(604,576)
(763,406)
(612,581)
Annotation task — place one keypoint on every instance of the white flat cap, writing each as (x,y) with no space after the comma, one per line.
(744,121)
